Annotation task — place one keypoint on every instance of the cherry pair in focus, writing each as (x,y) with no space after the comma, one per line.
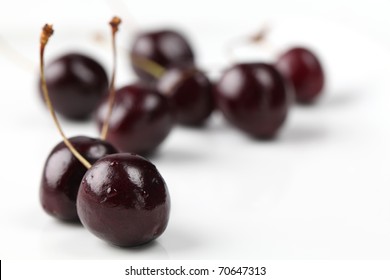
(119,197)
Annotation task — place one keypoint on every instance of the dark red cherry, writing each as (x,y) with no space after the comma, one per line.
(141,119)
(167,48)
(303,69)
(76,84)
(254,98)
(124,200)
(190,93)
(63,173)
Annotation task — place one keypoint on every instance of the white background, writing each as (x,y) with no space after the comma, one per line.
(321,190)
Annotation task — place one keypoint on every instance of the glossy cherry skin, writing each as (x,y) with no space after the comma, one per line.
(141,119)
(167,48)
(63,173)
(190,92)
(76,84)
(254,98)
(304,71)
(124,200)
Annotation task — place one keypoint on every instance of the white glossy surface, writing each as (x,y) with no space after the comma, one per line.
(320,191)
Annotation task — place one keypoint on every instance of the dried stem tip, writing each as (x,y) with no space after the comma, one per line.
(115,23)
(47,31)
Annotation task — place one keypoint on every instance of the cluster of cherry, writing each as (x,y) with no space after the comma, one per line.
(121,197)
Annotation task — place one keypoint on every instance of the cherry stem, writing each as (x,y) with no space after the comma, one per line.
(149,66)
(111,99)
(47,31)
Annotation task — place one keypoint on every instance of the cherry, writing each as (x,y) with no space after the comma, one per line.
(141,119)
(303,69)
(63,173)
(254,98)
(77,83)
(190,92)
(124,200)
(167,48)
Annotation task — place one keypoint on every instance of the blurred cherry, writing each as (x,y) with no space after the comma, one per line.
(141,119)
(254,98)
(190,92)
(77,83)
(304,71)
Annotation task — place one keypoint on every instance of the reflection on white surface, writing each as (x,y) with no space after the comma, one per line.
(89,246)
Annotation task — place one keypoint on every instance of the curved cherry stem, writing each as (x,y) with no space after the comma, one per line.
(47,31)
(111,99)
